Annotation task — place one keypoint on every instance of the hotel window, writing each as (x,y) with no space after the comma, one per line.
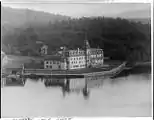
(46,62)
(70,53)
(73,53)
(47,66)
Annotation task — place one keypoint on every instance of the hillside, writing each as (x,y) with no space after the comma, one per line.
(142,20)
(19,17)
(143,16)
(120,38)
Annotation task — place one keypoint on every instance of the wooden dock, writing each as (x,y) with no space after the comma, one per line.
(87,72)
(92,72)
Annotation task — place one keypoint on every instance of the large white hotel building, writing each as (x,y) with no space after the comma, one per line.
(76,58)
(90,57)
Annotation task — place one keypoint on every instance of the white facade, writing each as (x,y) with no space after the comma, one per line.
(95,57)
(76,59)
(55,64)
(51,64)
(44,50)
(76,62)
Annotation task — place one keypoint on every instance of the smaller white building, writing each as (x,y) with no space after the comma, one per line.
(44,50)
(4,58)
(54,63)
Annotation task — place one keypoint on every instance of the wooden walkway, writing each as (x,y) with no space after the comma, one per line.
(76,73)
(111,72)
(101,72)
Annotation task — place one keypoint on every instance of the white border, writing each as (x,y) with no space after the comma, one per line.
(81,118)
(104,1)
(78,1)
(152,56)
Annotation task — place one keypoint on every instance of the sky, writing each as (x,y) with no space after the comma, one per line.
(76,9)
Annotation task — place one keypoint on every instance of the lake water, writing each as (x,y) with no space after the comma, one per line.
(130,96)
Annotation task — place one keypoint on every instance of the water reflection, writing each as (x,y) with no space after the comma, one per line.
(76,85)
(68,85)
(105,97)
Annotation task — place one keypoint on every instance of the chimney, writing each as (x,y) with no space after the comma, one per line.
(78,49)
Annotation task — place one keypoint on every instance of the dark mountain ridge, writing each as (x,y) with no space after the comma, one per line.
(118,37)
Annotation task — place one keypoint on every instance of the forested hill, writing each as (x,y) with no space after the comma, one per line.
(19,17)
(120,38)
